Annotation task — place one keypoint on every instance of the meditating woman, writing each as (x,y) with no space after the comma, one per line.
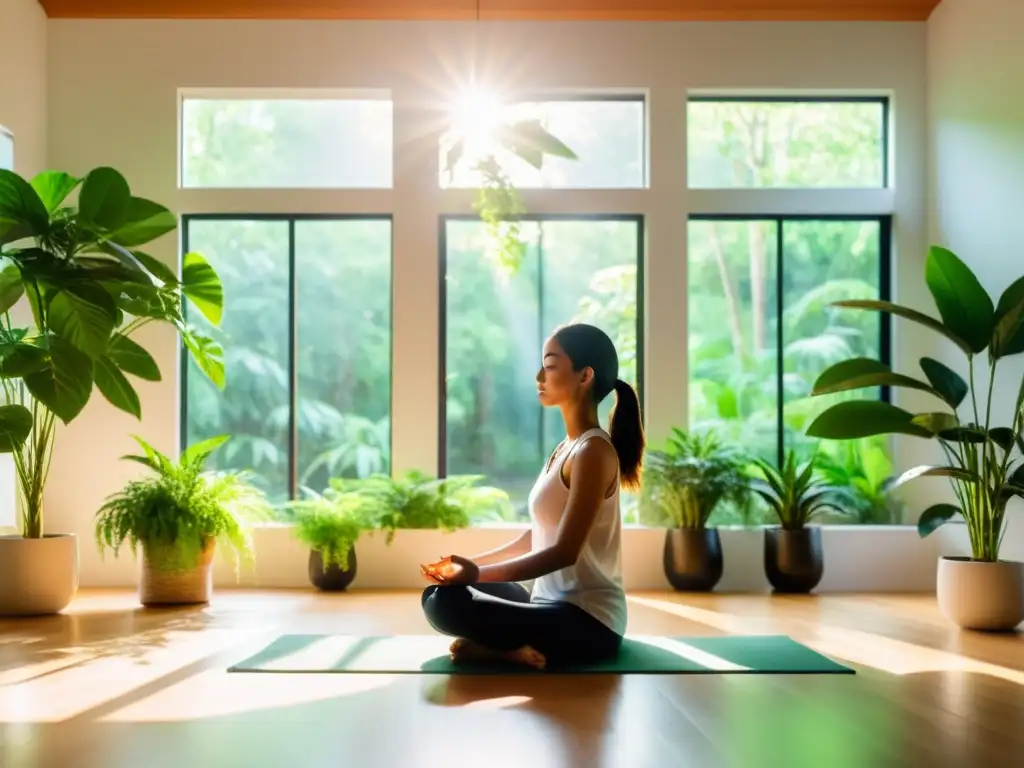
(576,613)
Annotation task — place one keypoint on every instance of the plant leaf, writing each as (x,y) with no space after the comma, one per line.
(1003,437)
(937,423)
(104,200)
(12,288)
(65,384)
(84,314)
(956,473)
(19,359)
(201,284)
(156,268)
(864,418)
(22,213)
(131,358)
(207,354)
(115,386)
(200,451)
(862,373)
(934,517)
(1008,336)
(53,187)
(965,307)
(145,222)
(907,314)
(947,382)
(15,427)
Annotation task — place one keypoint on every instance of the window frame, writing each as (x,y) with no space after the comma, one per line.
(882,100)
(291,219)
(442,248)
(885,269)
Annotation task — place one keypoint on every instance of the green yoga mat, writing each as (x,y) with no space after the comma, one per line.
(428,654)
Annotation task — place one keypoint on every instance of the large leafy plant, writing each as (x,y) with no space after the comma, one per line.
(88,290)
(331,522)
(795,494)
(180,508)
(416,500)
(686,480)
(981,448)
(498,202)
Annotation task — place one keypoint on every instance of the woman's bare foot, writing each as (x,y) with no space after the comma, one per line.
(463,650)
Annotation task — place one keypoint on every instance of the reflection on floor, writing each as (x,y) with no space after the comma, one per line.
(112,685)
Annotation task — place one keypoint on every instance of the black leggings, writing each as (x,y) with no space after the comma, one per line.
(500,616)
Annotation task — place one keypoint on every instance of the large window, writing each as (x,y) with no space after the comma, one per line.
(494,326)
(317,141)
(761,330)
(608,136)
(780,142)
(307,339)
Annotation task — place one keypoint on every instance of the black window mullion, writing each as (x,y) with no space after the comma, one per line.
(293,368)
(779,341)
(541,326)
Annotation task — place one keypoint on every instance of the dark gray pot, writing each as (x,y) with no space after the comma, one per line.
(693,559)
(793,560)
(332,579)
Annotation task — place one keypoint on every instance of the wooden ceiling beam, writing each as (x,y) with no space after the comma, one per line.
(494,10)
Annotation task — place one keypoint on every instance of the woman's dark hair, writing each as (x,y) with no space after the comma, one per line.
(589,347)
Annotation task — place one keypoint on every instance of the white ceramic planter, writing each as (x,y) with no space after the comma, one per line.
(37,576)
(982,596)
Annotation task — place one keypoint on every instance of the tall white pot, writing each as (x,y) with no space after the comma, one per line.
(38,576)
(982,596)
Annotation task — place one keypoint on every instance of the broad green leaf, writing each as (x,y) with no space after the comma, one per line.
(956,473)
(1008,336)
(936,423)
(53,187)
(146,221)
(863,373)
(964,305)
(531,140)
(934,517)
(132,358)
(907,314)
(975,435)
(1002,436)
(201,284)
(105,199)
(203,449)
(12,288)
(864,418)
(116,388)
(65,384)
(15,427)
(20,359)
(207,354)
(22,213)
(84,314)
(947,382)
(156,268)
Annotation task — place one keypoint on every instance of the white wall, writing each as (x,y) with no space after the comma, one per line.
(23,113)
(113,101)
(976,158)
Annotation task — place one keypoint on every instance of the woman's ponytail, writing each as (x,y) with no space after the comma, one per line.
(627,432)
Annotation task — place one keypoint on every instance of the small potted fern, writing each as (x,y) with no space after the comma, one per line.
(178,515)
(793,557)
(330,524)
(684,483)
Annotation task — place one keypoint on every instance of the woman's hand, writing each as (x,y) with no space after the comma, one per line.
(453,569)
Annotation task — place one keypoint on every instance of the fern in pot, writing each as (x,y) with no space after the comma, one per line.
(794,560)
(981,435)
(330,524)
(178,515)
(684,483)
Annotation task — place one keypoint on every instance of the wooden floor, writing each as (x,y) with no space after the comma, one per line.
(112,685)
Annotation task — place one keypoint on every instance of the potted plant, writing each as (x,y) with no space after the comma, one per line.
(418,501)
(684,483)
(178,515)
(88,289)
(793,557)
(982,447)
(330,524)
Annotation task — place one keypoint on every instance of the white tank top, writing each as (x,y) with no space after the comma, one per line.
(594,583)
